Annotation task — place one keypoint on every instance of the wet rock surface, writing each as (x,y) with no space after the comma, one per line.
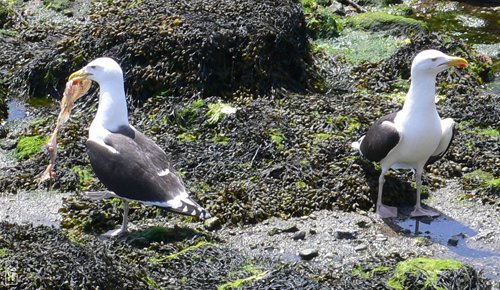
(278,174)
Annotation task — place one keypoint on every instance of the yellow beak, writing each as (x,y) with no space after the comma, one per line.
(457,61)
(78,75)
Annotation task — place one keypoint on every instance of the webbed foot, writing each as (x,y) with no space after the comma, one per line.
(385,211)
(420,211)
(115,234)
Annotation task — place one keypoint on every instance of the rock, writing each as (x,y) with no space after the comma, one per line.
(453,241)
(362,224)
(299,235)
(212,223)
(313,231)
(360,247)
(308,254)
(290,229)
(274,231)
(345,235)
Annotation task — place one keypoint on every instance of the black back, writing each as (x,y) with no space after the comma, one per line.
(380,139)
(133,172)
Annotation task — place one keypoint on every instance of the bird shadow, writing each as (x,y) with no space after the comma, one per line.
(442,230)
(167,235)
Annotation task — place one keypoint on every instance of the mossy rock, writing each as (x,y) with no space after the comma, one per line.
(28,146)
(482,180)
(426,269)
(357,47)
(167,44)
(381,21)
(320,21)
(58,5)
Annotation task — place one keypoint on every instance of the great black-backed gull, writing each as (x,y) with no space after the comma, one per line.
(126,161)
(416,135)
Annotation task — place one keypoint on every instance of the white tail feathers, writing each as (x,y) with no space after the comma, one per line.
(356,145)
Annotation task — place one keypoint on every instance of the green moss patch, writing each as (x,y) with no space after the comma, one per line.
(257,274)
(367,273)
(216,112)
(481,179)
(85,176)
(3,252)
(58,5)
(381,21)
(429,267)
(28,146)
(182,252)
(362,46)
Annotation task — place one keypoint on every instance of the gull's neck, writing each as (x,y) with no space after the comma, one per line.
(422,93)
(112,109)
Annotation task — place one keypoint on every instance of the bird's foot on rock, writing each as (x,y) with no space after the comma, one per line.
(420,211)
(385,211)
(114,234)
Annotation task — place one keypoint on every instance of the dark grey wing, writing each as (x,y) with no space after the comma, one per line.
(440,155)
(140,171)
(380,139)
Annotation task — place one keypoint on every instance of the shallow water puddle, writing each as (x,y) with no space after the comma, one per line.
(16,110)
(464,243)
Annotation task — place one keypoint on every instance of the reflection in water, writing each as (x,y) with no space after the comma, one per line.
(456,237)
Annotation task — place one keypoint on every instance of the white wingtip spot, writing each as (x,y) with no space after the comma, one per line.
(185,209)
(164,172)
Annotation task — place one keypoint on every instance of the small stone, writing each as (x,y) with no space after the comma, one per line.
(252,246)
(360,247)
(212,223)
(312,231)
(299,235)
(362,224)
(330,256)
(274,231)
(345,235)
(453,241)
(308,254)
(290,229)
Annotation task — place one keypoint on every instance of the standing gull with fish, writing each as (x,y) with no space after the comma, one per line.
(125,160)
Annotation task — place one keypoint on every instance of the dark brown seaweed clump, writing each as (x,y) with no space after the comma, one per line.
(183,47)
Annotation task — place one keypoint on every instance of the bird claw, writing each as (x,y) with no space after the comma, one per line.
(385,211)
(420,211)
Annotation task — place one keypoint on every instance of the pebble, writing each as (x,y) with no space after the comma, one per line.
(453,242)
(308,254)
(362,224)
(290,229)
(299,235)
(212,223)
(360,247)
(341,235)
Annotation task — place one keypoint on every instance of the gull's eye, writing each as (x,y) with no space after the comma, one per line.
(92,66)
(434,59)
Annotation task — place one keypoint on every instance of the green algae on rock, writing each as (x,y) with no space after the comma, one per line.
(377,21)
(430,268)
(28,146)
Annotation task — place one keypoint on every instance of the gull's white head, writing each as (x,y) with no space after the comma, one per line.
(431,62)
(100,70)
